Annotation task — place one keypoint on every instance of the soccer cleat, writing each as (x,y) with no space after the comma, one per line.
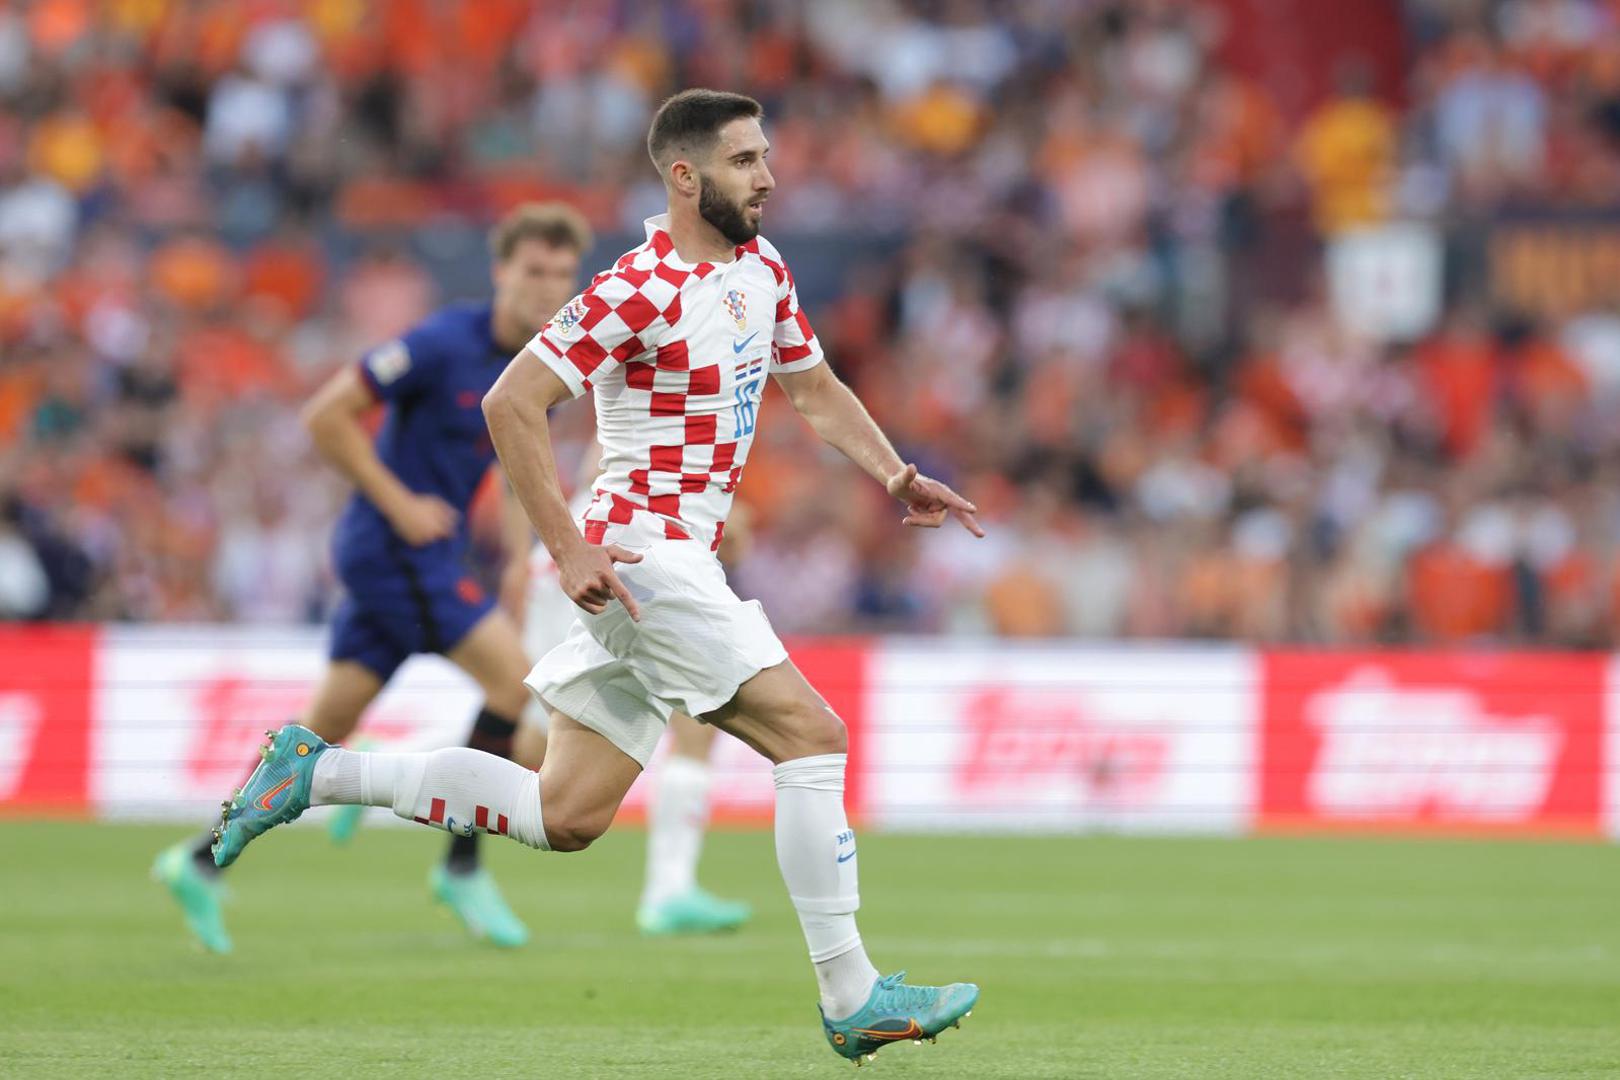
(692,912)
(276,793)
(895,1012)
(197,894)
(478,903)
(344,823)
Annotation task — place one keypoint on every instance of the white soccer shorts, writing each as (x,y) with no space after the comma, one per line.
(696,643)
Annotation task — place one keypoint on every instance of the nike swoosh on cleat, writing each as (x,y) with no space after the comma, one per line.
(912,1030)
(739,346)
(263,801)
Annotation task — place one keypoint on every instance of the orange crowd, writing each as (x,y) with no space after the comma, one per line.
(1054,277)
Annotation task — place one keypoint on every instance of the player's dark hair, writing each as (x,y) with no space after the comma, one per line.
(553,223)
(688,124)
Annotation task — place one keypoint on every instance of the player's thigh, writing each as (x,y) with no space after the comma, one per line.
(690,738)
(342,696)
(779,714)
(583,781)
(492,654)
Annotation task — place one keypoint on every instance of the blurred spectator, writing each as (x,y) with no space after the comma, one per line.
(1347,154)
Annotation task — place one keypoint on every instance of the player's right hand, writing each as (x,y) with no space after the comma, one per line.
(587,578)
(422,519)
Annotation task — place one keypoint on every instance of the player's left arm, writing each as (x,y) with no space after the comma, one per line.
(838,417)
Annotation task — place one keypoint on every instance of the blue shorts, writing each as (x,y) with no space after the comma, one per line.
(397,606)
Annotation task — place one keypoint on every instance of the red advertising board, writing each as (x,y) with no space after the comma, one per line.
(1469,742)
(46,684)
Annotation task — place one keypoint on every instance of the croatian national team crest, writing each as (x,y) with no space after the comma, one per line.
(737,305)
(567,320)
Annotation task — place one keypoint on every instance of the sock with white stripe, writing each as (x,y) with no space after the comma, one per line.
(815,849)
(456,789)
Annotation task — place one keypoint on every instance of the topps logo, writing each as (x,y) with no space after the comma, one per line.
(230,713)
(233,713)
(1395,750)
(1046,742)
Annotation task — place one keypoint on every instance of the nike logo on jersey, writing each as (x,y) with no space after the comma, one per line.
(739,346)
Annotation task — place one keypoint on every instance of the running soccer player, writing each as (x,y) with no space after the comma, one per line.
(675,341)
(401,546)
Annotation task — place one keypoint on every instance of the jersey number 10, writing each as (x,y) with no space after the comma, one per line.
(747,410)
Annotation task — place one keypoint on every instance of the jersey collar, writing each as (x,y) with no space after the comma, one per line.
(658,236)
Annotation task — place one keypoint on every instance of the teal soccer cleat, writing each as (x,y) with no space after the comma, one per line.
(692,912)
(478,903)
(344,823)
(197,894)
(276,793)
(896,1011)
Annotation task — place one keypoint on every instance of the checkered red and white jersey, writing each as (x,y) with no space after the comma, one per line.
(677,355)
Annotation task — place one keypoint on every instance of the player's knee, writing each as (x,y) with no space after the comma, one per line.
(818,730)
(570,828)
(573,832)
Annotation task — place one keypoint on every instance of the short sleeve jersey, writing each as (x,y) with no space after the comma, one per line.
(433,380)
(676,354)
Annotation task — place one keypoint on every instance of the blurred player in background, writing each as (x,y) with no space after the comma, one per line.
(675,341)
(401,546)
(671,900)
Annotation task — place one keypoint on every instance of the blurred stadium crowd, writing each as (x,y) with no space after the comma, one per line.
(1056,299)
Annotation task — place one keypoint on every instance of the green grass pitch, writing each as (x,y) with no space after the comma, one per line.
(1099,957)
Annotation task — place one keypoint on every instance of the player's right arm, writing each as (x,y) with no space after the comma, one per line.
(601,328)
(516,408)
(333,419)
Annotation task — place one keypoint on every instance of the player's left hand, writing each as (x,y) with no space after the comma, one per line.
(928,501)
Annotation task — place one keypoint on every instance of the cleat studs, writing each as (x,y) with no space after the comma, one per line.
(270,733)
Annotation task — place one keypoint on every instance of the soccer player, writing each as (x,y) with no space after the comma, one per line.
(675,342)
(401,545)
(672,902)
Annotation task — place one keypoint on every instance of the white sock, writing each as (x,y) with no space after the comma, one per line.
(457,789)
(675,821)
(815,849)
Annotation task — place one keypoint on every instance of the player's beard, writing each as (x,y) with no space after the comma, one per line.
(727,217)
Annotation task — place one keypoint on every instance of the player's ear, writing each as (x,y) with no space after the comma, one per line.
(683,177)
